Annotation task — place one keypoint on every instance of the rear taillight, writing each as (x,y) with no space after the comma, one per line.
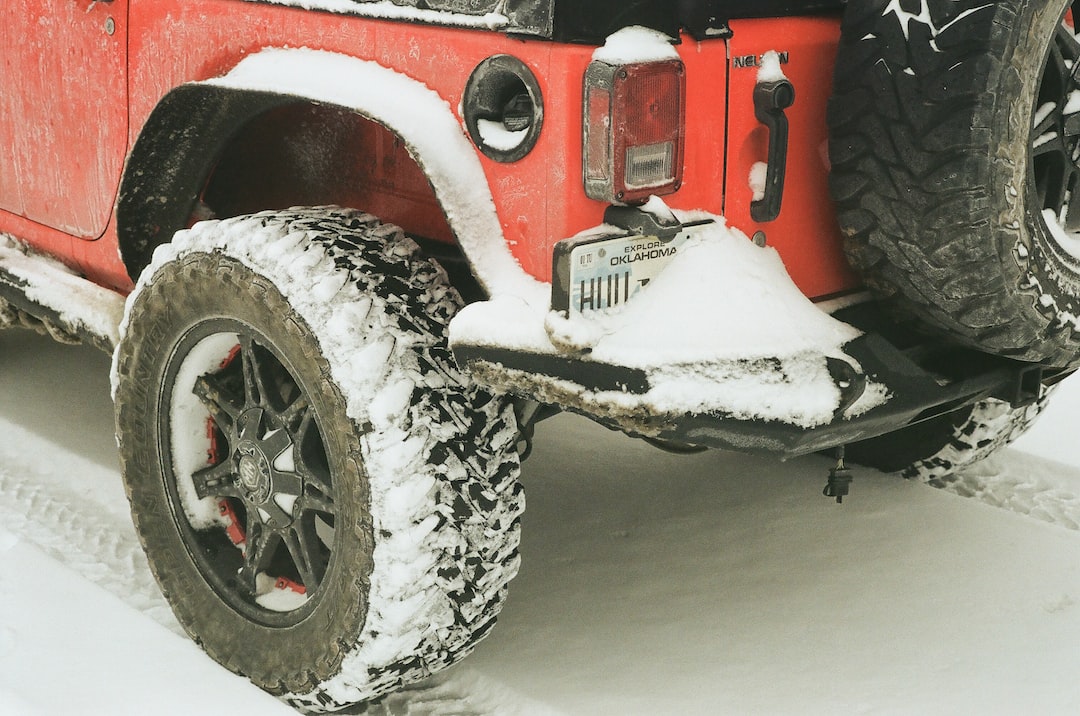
(634,119)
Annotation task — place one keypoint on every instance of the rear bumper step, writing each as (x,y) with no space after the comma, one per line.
(922,381)
(677,327)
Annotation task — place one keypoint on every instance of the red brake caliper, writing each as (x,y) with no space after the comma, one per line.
(233,529)
(286,583)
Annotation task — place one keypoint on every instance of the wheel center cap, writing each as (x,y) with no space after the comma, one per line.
(254,472)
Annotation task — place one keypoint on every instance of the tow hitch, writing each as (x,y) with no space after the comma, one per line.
(840,478)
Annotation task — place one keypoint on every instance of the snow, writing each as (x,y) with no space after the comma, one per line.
(188,428)
(650,583)
(79,303)
(759,172)
(44,604)
(657,208)
(1043,139)
(497,136)
(1072,105)
(387,10)
(770,70)
(635,44)
(1043,112)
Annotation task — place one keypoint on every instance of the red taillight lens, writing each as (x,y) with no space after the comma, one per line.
(634,119)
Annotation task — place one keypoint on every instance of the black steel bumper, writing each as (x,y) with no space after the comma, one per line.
(925,378)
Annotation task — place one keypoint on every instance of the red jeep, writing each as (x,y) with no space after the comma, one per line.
(631,200)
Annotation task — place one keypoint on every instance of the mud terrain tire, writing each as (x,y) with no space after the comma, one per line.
(292,366)
(933,450)
(948,141)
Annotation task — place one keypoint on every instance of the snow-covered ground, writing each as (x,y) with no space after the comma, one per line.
(651,584)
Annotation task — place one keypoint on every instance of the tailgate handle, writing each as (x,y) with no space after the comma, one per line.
(771,98)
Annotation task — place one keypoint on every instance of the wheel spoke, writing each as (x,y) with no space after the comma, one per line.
(274,515)
(298,413)
(318,503)
(1066,42)
(275,443)
(260,552)
(314,479)
(254,389)
(250,424)
(1071,121)
(288,483)
(303,546)
(218,480)
(212,394)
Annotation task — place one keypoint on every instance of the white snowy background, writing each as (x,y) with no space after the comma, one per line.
(651,584)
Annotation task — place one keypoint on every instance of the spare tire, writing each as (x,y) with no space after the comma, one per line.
(934,450)
(954,140)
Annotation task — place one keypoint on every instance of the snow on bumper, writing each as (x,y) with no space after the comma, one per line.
(721,332)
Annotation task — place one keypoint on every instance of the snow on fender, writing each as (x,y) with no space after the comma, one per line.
(424,121)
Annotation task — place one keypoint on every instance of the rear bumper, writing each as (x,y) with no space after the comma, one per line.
(721,350)
(617,396)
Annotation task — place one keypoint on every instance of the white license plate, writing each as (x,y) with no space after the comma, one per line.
(609,272)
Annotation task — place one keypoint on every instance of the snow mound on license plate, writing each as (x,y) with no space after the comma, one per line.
(722,329)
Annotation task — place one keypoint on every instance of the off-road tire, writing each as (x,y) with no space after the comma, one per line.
(420,467)
(933,450)
(939,175)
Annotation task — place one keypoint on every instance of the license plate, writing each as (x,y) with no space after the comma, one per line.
(595,273)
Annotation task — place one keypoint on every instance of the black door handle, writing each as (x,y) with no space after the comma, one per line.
(771,98)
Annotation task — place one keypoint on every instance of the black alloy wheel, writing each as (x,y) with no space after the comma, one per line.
(268,473)
(1055,136)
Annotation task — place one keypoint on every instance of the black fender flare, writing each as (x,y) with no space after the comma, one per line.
(175,152)
(172,160)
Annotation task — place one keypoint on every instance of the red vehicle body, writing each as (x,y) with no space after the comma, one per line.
(321,451)
(154,48)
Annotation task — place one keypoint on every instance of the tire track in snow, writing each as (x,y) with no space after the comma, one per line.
(39,506)
(102,548)
(1020,483)
(97,545)
(457,692)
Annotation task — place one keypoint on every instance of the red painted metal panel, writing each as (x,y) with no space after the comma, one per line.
(805,234)
(539,199)
(63,114)
(706,111)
